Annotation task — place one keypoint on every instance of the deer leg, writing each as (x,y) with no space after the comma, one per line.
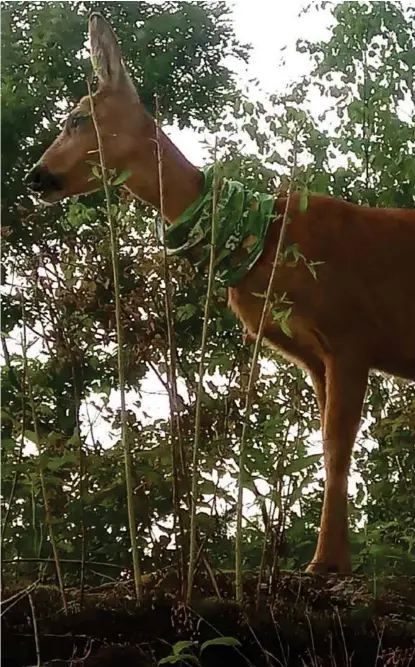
(317,373)
(346,382)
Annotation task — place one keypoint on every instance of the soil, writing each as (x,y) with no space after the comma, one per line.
(307,621)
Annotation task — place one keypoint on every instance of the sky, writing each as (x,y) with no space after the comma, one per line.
(268,28)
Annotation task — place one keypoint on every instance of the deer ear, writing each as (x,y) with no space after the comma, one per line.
(105,53)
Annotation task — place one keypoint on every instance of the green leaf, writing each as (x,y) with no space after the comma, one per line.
(61,461)
(184,658)
(8,443)
(97,172)
(276,157)
(285,328)
(294,249)
(248,107)
(221,641)
(207,486)
(182,645)
(304,200)
(185,312)
(298,491)
(124,176)
(31,435)
(169,660)
(302,462)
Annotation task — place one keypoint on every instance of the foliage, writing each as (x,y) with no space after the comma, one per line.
(182,655)
(60,260)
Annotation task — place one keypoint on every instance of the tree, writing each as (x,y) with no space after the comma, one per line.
(60,260)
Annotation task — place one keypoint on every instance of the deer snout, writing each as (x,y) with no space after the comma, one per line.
(41,180)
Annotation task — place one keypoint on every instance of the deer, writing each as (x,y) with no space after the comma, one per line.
(357,315)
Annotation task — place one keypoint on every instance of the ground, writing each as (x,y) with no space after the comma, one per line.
(308,621)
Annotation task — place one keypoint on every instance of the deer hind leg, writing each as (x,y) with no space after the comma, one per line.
(317,373)
(346,382)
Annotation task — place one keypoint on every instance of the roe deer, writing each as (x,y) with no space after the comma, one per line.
(359,314)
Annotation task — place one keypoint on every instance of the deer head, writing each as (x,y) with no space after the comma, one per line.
(128,136)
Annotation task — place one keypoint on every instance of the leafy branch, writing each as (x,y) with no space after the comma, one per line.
(251,384)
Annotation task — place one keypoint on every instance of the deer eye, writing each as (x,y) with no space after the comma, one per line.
(78,120)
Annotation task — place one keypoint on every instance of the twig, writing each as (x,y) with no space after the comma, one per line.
(48,514)
(285,657)
(159,376)
(13,599)
(172,367)
(196,443)
(120,356)
(76,561)
(262,562)
(212,576)
(77,407)
(20,454)
(314,656)
(346,653)
(35,630)
(250,390)
(270,658)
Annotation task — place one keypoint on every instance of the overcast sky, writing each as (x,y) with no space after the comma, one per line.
(268,26)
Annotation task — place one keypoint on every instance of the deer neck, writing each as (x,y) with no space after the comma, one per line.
(182,183)
(188,203)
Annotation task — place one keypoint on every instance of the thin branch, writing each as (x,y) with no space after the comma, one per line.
(77,407)
(211,575)
(120,355)
(365,122)
(6,354)
(172,367)
(73,561)
(48,513)
(159,376)
(14,599)
(35,630)
(20,454)
(196,443)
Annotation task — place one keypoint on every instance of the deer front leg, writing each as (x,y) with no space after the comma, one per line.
(346,382)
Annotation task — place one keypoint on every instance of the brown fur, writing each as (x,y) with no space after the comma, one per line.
(359,314)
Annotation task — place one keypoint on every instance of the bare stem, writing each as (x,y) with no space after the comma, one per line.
(20,453)
(172,367)
(48,513)
(10,602)
(73,561)
(121,369)
(35,630)
(196,443)
(77,407)
(250,391)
